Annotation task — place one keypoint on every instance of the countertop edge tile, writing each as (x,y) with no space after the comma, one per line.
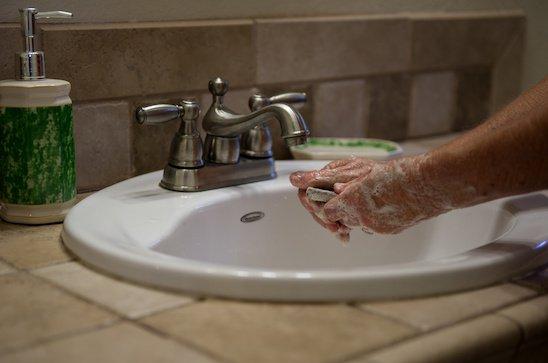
(122,297)
(470,340)
(431,313)
(531,316)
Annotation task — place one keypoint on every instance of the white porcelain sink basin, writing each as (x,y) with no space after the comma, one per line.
(196,242)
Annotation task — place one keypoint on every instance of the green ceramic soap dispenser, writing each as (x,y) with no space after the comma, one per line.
(37,171)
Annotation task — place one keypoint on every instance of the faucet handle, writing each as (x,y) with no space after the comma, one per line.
(292,97)
(186,146)
(218,87)
(258,101)
(156,114)
(188,110)
(56,14)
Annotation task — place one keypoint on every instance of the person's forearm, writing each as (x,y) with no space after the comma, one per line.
(506,155)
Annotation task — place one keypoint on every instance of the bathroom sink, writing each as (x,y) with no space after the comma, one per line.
(255,241)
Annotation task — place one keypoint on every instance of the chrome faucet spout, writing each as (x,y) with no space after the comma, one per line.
(224,127)
(220,121)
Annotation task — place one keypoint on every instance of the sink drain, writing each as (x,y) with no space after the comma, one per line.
(252,217)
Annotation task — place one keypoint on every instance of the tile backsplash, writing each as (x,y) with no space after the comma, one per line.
(393,76)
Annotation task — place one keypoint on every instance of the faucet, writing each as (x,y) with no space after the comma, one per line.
(257,142)
(193,166)
(224,127)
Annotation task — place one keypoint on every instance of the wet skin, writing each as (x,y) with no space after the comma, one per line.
(505,155)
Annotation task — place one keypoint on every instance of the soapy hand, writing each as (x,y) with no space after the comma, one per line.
(315,209)
(381,197)
(339,171)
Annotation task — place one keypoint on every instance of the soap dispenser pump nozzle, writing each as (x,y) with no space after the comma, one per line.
(30,63)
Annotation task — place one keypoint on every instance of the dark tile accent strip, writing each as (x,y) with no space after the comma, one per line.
(473,92)
(389,109)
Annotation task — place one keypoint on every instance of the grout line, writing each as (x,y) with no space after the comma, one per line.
(119,317)
(193,302)
(180,341)
(361,15)
(531,286)
(515,283)
(450,324)
(365,352)
(68,334)
(425,335)
(74,294)
(435,330)
(177,94)
(104,306)
(60,336)
(365,309)
(511,43)
(255,47)
(17,269)
(521,340)
(54,263)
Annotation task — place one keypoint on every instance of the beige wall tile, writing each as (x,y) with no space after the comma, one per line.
(532,315)
(433,101)
(422,145)
(120,343)
(125,298)
(436,141)
(340,109)
(246,332)
(32,310)
(34,247)
(5,268)
(306,49)
(10,43)
(389,107)
(103,144)
(473,97)
(148,58)
(446,42)
(472,341)
(434,312)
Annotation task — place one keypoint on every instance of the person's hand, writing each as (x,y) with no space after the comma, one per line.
(395,195)
(339,171)
(316,211)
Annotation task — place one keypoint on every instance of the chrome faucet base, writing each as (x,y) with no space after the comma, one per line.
(208,177)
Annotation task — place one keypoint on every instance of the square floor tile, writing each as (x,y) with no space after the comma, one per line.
(130,300)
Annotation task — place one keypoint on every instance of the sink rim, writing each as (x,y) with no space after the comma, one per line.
(142,264)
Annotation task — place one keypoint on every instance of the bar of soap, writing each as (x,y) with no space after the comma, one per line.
(319,195)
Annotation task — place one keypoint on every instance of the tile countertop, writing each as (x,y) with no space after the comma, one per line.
(55,309)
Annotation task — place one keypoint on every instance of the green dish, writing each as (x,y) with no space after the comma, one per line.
(329,148)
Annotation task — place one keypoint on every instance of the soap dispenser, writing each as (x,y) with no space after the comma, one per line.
(37,162)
